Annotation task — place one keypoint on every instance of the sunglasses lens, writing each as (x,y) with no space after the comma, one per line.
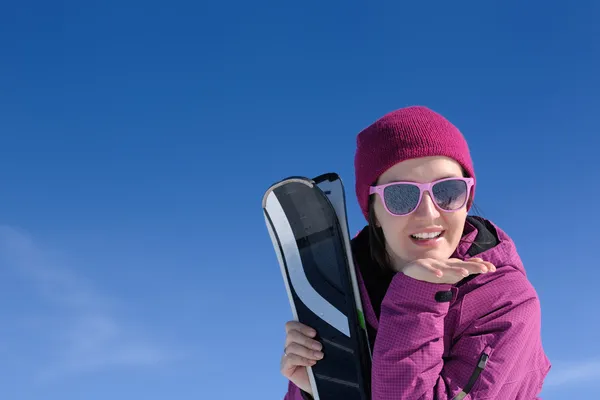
(402,198)
(450,195)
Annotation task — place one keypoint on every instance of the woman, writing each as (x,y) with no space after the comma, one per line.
(450,311)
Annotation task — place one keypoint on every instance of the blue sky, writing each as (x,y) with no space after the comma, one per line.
(134,259)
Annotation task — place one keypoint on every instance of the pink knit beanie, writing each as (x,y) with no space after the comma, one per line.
(402,134)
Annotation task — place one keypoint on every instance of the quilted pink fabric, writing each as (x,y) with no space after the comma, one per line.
(425,349)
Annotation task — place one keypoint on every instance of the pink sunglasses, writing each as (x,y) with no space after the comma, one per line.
(403,198)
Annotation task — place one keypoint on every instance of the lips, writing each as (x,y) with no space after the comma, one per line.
(428,236)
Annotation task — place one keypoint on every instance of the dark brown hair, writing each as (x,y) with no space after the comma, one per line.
(377,248)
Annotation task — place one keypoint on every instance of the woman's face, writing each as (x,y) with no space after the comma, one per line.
(403,247)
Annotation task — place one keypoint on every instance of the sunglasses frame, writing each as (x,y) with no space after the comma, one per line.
(423,187)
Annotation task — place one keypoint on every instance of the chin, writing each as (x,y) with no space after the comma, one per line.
(441,251)
(437,254)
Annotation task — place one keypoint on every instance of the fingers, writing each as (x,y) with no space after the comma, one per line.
(472,266)
(300,348)
(303,352)
(445,268)
(437,271)
(298,337)
(297,326)
(294,360)
(459,267)
(477,265)
(490,267)
(446,271)
(433,266)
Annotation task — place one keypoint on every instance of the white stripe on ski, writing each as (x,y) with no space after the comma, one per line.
(311,375)
(309,296)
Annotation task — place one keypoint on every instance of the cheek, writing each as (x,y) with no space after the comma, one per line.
(393,228)
(455,223)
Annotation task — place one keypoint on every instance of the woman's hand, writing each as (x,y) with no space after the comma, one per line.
(446,271)
(300,352)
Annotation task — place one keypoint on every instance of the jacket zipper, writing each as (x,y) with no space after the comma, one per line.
(478,369)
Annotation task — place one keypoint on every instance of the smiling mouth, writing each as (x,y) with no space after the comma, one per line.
(427,235)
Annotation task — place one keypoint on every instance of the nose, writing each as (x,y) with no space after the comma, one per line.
(427,208)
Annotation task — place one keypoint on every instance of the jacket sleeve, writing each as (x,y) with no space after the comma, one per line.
(295,393)
(496,356)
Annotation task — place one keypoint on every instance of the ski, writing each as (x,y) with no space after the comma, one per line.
(307,223)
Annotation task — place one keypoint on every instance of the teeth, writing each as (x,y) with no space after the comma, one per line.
(430,235)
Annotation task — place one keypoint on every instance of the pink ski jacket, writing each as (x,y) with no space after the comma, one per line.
(474,340)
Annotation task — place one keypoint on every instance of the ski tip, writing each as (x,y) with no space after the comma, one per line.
(328,176)
(296,178)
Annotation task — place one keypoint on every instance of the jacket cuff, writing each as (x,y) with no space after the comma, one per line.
(420,296)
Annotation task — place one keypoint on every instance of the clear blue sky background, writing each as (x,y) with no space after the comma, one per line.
(134,152)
